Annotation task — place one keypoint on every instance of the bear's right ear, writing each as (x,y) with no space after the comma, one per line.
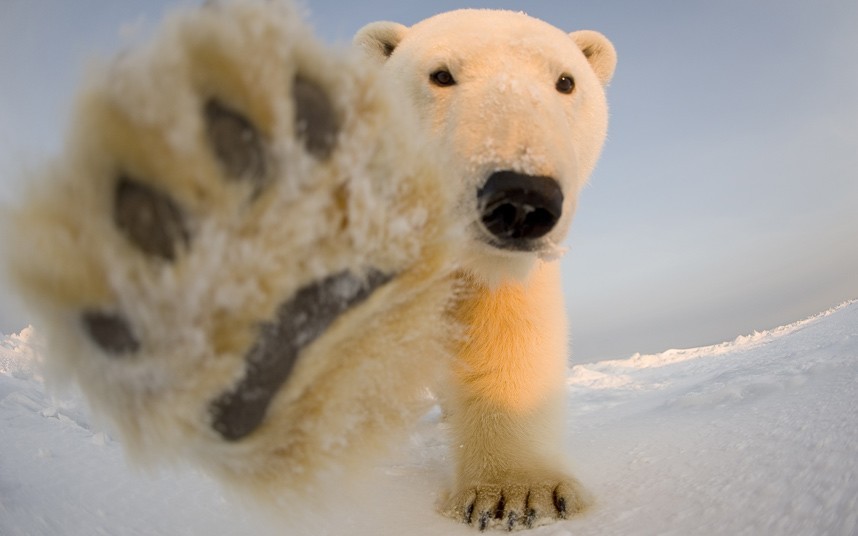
(599,52)
(380,39)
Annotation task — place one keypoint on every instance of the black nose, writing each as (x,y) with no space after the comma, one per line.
(516,208)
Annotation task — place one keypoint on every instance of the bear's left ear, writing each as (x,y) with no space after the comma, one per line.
(380,39)
(598,51)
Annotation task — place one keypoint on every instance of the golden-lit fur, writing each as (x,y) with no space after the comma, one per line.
(514,333)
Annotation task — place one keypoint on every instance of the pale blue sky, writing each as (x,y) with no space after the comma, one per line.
(727,196)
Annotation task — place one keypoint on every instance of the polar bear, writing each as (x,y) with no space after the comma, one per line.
(520,106)
(251,254)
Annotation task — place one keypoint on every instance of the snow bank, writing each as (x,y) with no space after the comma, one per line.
(753,436)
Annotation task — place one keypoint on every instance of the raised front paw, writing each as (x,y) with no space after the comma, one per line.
(236,247)
(515,505)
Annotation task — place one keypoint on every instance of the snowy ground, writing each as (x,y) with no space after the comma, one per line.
(758,436)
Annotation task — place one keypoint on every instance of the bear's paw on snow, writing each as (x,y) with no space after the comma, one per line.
(517,107)
(256,253)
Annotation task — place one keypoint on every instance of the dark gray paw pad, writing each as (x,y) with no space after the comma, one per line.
(111,332)
(236,143)
(149,218)
(316,121)
(299,322)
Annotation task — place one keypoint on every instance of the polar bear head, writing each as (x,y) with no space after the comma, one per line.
(517,108)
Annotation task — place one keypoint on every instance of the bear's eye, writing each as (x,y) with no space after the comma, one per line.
(442,78)
(565,84)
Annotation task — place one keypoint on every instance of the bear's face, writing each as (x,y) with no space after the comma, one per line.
(518,107)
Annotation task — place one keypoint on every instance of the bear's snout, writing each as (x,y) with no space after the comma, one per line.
(516,208)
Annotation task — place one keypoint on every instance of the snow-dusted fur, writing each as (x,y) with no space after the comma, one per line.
(504,111)
(176,319)
(257,253)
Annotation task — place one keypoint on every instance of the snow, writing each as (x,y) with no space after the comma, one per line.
(754,436)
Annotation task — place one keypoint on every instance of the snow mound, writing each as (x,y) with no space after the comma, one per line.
(18,355)
(753,436)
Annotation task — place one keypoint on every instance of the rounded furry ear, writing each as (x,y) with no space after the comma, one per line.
(380,39)
(598,51)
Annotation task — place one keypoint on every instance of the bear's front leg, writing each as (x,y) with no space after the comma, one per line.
(507,405)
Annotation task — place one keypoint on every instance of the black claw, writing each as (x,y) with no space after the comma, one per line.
(560,504)
(111,332)
(149,218)
(511,520)
(236,143)
(469,514)
(299,322)
(529,518)
(316,121)
(484,521)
